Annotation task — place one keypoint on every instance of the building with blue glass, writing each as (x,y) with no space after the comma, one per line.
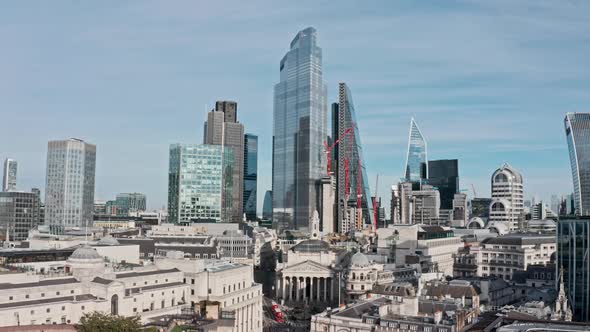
(577,132)
(573,258)
(267,205)
(250,175)
(299,133)
(200,183)
(349,150)
(417,159)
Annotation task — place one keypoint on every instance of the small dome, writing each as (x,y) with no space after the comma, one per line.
(359,259)
(108,241)
(311,246)
(85,252)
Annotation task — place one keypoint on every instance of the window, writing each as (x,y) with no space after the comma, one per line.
(27,296)
(56,293)
(10,298)
(42,294)
(72,291)
(63,308)
(32,312)
(192,292)
(48,310)
(83,308)
(193,281)
(134,309)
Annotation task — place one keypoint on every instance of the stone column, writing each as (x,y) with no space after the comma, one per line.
(290,297)
(298,289)
(326,289)
(304,289)
(332,290)
(318,293)
(284,287)
(311,298)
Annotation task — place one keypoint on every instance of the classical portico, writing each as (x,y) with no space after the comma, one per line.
(307,282)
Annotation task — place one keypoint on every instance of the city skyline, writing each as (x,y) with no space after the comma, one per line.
(491,92)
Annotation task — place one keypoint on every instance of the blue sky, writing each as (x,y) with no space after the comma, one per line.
(487,81)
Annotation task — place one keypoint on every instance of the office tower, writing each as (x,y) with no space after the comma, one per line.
(267,205)
(328,204)
(555,204)
(350,168)
(577,131)
(507,204)
(573,245)
(460,213)
(69,189)
(9,175)
(250,175)
(540,211)
(425,205)
(224,129)
(200,183)
(130,203)
(19,213)
(299,133)
(401,210)
(444,176)
(417,159)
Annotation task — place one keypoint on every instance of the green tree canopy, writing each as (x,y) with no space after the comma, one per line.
(98,321)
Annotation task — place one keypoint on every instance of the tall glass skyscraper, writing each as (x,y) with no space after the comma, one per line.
(349,148)
(417,158)
(250,175)
(573,245)
(69,188)
(9,175)
(577,132)
(267,205)
(200,183)
(299,131)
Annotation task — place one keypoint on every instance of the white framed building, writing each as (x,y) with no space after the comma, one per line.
(507,204)
(503,255)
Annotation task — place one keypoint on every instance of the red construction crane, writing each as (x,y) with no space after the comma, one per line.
(328,149)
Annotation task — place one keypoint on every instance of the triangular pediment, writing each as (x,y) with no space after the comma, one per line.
(307,266)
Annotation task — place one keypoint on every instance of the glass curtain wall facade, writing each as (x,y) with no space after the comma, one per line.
(350,148)
(417,154)
(19,213)
(267,205)
(250,175)
(69,188)
(577,131)
(444,175)
(130,202)
(9,175)
(200,183)
(299,131)
(573,258)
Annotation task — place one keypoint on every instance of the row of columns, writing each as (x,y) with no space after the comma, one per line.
(306,289)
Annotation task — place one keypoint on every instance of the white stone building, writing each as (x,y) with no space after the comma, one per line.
(507,204)
(90,284)
(503,255)
(230,284)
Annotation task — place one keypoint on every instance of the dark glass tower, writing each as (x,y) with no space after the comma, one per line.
(267,205)
(444,175)
(349,148)
(299,132)
(250,175)
(577,131)
(573,245)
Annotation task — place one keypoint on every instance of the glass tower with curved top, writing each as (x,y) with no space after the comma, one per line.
(577,132)
(416,162)
(299,132)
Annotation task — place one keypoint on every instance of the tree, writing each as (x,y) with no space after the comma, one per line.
(98,321)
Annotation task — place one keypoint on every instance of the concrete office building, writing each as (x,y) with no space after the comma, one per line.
(9,175)
(224,129)
(69,188)
(507,206)
(299,132)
